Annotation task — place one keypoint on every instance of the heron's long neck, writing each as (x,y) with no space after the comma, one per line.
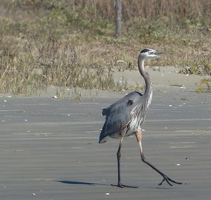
(148,83)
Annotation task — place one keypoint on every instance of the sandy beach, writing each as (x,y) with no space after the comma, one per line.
(49,146)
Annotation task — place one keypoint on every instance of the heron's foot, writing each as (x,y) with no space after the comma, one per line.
(124,186)
(168,180)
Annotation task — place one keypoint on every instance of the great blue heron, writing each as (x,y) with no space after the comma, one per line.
(125,117)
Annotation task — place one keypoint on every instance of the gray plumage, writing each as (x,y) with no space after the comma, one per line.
(129,112)
(125,117)
(132,106)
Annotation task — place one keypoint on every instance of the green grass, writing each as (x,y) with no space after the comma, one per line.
(204,86)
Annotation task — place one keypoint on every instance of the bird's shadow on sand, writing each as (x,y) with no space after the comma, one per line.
(81,183)
(101,184)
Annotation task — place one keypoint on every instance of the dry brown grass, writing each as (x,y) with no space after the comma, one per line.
(72,42)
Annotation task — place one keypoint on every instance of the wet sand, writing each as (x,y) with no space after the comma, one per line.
(49,149)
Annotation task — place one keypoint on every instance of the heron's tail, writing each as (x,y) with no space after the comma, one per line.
(103,136)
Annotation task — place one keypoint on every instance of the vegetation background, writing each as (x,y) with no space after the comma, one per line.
(72,43)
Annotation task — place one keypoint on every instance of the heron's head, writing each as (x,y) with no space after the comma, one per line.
(149,53)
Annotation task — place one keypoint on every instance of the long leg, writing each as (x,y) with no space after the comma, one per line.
(118,167)
(165,178)
(118,154)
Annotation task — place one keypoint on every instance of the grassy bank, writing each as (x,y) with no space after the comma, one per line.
(72,42)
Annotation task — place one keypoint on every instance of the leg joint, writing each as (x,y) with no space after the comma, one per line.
(138,135)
